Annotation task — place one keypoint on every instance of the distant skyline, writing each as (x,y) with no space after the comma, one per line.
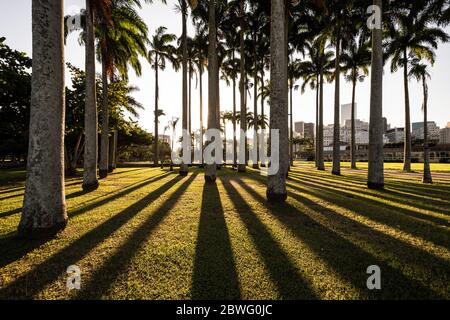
(15,25)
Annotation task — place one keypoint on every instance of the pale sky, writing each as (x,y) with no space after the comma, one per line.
(15,25)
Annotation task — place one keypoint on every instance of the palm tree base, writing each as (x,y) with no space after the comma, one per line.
(42,233)
(427,180)
(321,168)
(103,173)
(263,165)
(354,167)
(183,173)
(336,173)
(241,168)
(210,179)
(92,186)
(110,170)
(255,166)
(276,197)
(375,185)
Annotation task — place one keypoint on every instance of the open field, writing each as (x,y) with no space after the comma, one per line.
(147,233)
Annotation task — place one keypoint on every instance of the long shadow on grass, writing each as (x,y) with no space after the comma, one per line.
(391,194)
(104,277)
(9,213)
(344,257)
(130,188)
(214,265)
(49,270)
(13,248)
(290,284)
(386,195)
(399,218)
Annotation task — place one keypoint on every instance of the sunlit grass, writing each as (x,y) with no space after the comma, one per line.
(148,234)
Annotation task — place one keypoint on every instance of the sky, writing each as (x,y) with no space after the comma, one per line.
(15,25)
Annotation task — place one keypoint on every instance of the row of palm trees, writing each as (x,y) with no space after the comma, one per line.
(236,40)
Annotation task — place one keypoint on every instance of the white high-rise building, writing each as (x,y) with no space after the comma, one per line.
(346,112)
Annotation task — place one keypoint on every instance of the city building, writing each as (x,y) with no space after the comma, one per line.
(417,132)
(444,135)
(299,127)
(395,135)
(305,130)
(346,112)
(309,131)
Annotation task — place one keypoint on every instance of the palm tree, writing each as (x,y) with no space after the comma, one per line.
(313,72)
(96,11)
(118,47)
(276,182)
(376,158)
(419,71)
(356,61)
(44,208)
(242,82)
(183,7)
(200,44)
(411,34)
(210,168)
(160,51)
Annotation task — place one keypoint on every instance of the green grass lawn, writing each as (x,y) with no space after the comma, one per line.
(147,233)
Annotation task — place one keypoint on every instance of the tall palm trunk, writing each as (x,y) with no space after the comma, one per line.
(219,165)
(337,127)
(291,127)
(184,167)
(255,115)
(190,99)
(263,124)
(104,148)
(156,143)
(426,149)
(407,147)
(316,140)
(234,122)
(320,160)
(376,156)
(353,129)
(90,181)
(276,183)
(210,169)
(201,114)
(243,92)
(44,208)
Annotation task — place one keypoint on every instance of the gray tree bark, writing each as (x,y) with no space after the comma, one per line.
(44,208)
(320,160)
(90,181)
(426,149)
(376,156)
(276,183)
(104,147)
(407,138)
(336,170)
(210,169)
(184,167)
(353,130)
(243,93)
(156,143)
